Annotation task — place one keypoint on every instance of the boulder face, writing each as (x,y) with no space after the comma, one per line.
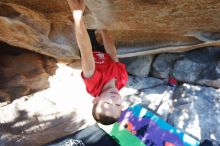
(197,66)
(23,27)
(138,27)
(23,72)
(138,66)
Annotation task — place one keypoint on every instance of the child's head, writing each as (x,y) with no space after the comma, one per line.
(107,107)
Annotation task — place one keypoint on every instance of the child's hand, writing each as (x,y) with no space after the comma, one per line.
(77,7)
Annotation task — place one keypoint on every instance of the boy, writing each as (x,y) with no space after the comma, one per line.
(103,75)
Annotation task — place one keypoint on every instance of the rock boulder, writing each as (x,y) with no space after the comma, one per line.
(138,27)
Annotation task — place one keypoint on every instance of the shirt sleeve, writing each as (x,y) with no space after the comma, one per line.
(93,84)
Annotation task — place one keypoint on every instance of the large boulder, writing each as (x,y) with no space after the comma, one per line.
(138,27)
(163,64)
(138,66)
(23,72)
(26,28)
(199,67)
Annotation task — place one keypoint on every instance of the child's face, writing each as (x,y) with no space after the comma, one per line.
(110,103)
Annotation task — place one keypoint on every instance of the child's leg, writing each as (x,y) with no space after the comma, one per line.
(95,45)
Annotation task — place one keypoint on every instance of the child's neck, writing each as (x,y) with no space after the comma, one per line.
(110,84)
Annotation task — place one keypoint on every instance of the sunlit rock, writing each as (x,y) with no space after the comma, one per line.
(196,111)
(138,27)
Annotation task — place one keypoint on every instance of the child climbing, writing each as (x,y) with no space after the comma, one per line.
(102,73)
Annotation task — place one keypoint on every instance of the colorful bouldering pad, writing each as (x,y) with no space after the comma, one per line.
(139,127)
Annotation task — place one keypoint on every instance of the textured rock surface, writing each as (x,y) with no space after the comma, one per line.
(138,66)
(200,67)
(157,26)
(26,28)
(197,66)
(163,64)
(197,111)
(23,72)
(139,83)
(151,92)
(139,27)
(135,85)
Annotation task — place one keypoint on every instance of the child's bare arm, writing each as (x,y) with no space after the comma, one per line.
(109,45)
(82,37)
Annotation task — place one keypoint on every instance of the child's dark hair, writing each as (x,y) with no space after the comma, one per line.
(101,118)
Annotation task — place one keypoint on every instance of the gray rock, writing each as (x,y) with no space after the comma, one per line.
(142,83)
(199,67)
(188,71)
(23,73)
(204,55)
(158,99)
(163,64)
(138,66)
(197,111)
(136,84)
(150,92)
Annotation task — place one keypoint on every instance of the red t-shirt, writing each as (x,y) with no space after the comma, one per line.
(105,70)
